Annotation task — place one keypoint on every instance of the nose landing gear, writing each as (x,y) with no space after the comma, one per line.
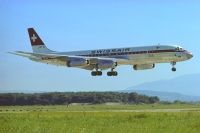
(173,66)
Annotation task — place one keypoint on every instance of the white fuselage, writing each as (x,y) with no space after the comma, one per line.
(136,55)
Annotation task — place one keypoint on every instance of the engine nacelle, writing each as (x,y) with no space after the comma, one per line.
(76,62)
(143,66)
(105,64)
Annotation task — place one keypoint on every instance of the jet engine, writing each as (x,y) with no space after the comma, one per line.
(143,66)
(76,62)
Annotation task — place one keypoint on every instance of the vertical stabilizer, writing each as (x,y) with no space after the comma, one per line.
(37,44)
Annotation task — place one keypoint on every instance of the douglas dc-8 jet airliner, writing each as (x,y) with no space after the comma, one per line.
(140,58)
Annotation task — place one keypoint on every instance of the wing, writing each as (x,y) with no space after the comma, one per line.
(88,63)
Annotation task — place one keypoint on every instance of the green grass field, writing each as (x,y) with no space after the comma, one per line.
(156,118)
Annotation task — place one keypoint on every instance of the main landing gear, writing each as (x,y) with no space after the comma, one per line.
(173,66)
(112,73)
(99,73)
(96,73)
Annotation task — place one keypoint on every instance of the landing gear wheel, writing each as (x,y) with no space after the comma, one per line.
(109,73)
(112,73)
(96,73)
(99,73)
(173,69)
(93,73)
(115,73)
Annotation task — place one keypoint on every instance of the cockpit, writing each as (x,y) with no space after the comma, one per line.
(178,48)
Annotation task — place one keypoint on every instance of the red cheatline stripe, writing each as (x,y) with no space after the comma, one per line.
(128,53)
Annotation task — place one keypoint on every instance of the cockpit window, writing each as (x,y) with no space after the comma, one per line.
(157,47)
(179,48)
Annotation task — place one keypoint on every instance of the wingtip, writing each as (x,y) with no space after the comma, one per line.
(14,52)
(11,52)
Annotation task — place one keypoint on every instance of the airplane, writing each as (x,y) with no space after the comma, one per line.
(141,58)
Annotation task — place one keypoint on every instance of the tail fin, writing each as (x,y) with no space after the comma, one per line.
(37,44)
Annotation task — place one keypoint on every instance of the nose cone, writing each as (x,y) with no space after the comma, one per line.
(189,55)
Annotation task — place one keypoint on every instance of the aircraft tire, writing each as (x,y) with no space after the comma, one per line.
(99,73)
(173,69)
(93,73)
(112,73)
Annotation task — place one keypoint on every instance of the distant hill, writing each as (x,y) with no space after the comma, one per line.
(185,88)
(168,96)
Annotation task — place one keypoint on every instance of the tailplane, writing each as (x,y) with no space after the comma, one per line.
(37,44)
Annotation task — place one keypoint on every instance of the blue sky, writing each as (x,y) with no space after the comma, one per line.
(81,25)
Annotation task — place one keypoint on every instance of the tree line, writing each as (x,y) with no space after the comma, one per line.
(65,98)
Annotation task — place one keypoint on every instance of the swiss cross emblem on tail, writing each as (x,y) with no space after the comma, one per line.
(33,38)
